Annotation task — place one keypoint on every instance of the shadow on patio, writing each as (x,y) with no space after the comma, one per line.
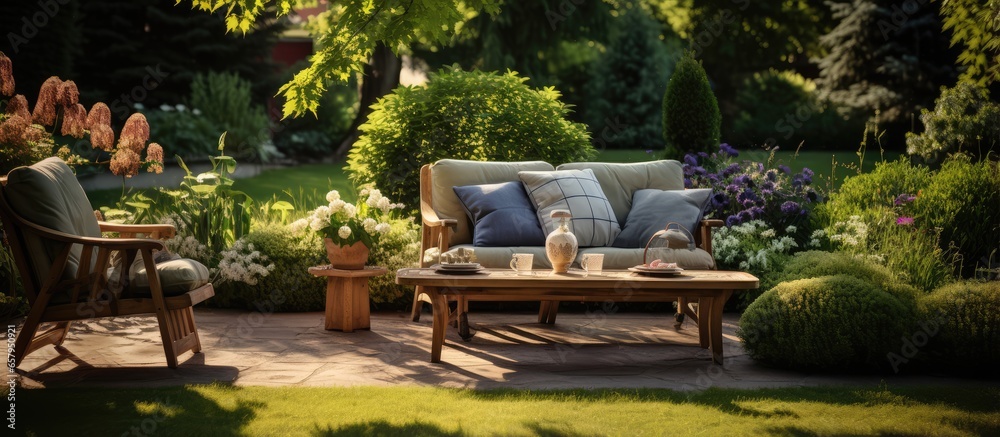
(633,350)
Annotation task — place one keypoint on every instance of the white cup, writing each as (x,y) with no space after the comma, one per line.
(592,263)
(521,263)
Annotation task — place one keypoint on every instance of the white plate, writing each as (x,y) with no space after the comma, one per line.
(643,270)
(460,266)
(471,271)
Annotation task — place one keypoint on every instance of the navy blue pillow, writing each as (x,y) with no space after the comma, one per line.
(502,214)
(653,209)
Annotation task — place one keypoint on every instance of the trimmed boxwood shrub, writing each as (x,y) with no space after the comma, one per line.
(962,321)
(459,114)
(816,263)
(834,323)
(289,287)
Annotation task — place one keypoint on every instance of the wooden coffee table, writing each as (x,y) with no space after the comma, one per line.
(710,287)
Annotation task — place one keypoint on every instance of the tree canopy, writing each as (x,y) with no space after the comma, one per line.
(350,31)
(975,25)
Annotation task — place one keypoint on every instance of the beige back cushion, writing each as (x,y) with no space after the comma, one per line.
(448,173)
(620,181)
(48,194)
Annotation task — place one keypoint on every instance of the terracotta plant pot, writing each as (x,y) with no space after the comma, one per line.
(351,257)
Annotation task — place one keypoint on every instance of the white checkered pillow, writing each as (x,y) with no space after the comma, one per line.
(578,191)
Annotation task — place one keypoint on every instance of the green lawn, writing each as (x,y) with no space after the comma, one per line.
(320,178)
(219,410)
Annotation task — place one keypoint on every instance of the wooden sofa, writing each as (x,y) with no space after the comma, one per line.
(446,227)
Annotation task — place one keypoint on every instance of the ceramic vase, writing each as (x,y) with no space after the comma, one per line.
(561,245)
(351,257)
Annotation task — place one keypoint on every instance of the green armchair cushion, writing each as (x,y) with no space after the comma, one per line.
(48,194)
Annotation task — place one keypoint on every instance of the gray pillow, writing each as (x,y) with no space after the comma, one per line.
(578,191)
(653,209)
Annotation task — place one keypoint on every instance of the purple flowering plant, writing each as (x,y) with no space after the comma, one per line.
(748,190)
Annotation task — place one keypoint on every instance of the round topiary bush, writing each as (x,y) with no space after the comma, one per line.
(816,263)
(691,118)
(962,321)
(462,115)
(827,323)
(290,286)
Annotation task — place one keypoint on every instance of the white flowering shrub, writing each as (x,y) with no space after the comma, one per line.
(756,248)
(289,286)
(850,233)
(242,263)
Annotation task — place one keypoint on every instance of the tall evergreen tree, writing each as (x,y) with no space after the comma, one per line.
(886,56)
(691,118)
(627,85)
(736,38)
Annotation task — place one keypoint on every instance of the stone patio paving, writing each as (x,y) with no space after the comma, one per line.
(509,350)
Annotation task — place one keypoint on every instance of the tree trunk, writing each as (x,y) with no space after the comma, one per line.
(381,76)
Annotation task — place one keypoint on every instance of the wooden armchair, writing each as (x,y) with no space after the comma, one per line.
(66,264)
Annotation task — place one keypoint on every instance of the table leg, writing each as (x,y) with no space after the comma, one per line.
(716,324)
(543,311)
(704,321)
(439,305)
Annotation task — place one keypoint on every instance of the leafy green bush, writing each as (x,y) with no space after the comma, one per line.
(187,133)
(398,249)
(963,201)
(290,286)
(627,85)
(964,119)
(781,108)
(878,214)
(836,323)
(912,252)
(691,117)
(463,115)
(963,323)
(225,100)
(863,194)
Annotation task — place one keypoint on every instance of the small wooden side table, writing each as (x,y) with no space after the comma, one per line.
(347,296)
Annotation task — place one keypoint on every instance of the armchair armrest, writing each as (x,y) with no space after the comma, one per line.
(704,236)
(155,231)
(435,232)
(106,243)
